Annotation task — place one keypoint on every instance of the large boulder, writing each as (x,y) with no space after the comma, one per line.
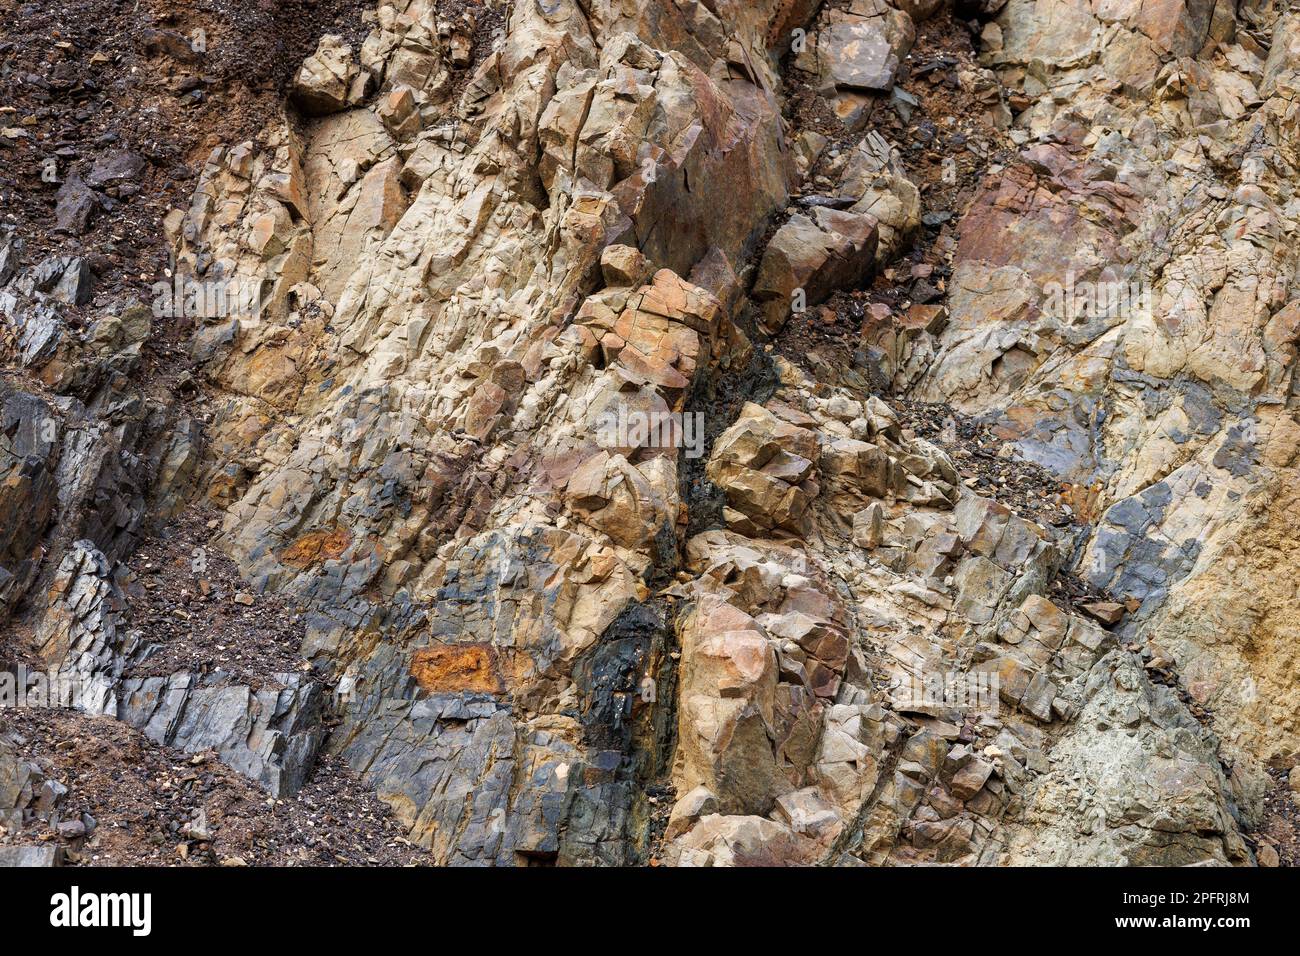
(814,255)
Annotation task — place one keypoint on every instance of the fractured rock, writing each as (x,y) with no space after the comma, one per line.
(817,254)
(325,79)
(767,468)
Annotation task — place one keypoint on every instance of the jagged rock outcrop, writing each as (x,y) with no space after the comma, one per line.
(503,285)
(1139,346)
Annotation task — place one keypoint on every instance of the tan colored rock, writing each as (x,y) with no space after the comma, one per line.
(970,778)
(767,468)
(849,757)
(688,810)
(868,526)
(325,79)
(727,708)
(627,502)
(397,111)
(861,465)
(1108,612)
(806,812)
(875,180)
(741,841)
(811,256)
(623,265)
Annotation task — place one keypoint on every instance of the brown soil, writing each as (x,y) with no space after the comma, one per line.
(987,465)
(187,597)
(145,799)
(122,75)
(105,75)
(1281,827)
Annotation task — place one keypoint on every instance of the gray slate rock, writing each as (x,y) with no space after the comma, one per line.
(15,856)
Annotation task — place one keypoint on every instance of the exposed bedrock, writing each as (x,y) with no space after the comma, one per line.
(598,563)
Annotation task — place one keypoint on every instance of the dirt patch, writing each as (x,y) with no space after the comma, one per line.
(18,646)
(140,92)
(988,465)
(1281,827)
(946,138)
(109,112)
(484,21)
(151,805)
(188,598)
(661,798)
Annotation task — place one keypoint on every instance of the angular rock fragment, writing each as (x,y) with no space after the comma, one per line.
(858,54)
(325,79)
(809,258)
(75,205)
(115,166)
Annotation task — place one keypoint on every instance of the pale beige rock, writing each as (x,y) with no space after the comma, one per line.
(805,812)
(397,111)
(810,257)
(623,265)
(688,810)
(727,708)
(741,841)
(325,79)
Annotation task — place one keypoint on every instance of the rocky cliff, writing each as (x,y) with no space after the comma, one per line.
(685,432)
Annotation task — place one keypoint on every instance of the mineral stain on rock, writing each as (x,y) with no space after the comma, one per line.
(451,668)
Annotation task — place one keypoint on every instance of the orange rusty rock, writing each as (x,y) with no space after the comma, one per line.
(1082,499)
(315,547)
(448,668)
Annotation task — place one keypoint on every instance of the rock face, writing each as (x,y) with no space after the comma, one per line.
(600,562)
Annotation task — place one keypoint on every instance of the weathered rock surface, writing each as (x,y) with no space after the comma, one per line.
(1157,372)
(271,734)
(326,79)
(806,639)
(767,468)
(817,255)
